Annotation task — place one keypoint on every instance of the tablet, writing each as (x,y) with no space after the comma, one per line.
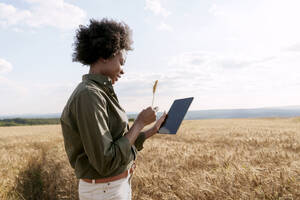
(175,116)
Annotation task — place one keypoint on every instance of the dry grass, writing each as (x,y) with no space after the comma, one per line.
(207,159)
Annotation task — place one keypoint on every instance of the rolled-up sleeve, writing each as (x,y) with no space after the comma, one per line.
(104,154)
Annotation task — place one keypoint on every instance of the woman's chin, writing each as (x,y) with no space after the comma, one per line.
(114,81)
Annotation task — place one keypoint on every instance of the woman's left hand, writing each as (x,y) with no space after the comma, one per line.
(152,131)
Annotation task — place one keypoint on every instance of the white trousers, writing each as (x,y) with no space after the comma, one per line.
(115,190)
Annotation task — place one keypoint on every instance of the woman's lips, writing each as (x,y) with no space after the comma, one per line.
(118,77)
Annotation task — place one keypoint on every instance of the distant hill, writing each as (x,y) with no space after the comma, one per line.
(32,116)
(245,113)
(286,111)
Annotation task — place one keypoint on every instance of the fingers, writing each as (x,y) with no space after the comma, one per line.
(147,116)
(152,115)
(151,112)
(159,122)
(156,109)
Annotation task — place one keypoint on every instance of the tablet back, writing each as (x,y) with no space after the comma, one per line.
(175,115)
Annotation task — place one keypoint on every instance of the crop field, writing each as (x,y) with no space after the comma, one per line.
(207,159)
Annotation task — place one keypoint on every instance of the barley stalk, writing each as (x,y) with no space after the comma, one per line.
(154,90)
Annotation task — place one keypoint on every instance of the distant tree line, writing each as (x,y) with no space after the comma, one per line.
(23,121)
(34,121)
(131,119)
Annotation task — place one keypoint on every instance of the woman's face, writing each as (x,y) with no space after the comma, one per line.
(113,66)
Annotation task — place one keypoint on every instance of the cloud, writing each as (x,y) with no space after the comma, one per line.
(5,66)
(259,26)
(237,73)
(215,10)
(33,98)
(54,90)
(261,81)
(12,93)
(9,15)
(219,80)
(156,7)
(25,97)
(293,48)
(53,13)
(164,27)
(212,60)
(238,62)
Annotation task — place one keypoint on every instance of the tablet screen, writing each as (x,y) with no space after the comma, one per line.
(175,115)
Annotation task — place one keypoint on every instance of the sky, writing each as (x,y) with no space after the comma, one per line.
(226,54)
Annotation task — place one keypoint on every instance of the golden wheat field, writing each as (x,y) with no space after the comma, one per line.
(207,159)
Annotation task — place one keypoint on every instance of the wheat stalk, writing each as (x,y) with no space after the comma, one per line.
(154,90)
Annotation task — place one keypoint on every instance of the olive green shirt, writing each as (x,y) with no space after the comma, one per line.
(93,126)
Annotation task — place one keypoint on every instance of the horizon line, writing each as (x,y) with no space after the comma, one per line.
(132,112)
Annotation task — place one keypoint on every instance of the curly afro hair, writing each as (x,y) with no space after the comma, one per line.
(101,39)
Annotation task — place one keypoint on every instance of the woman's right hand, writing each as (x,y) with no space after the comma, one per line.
(147,116)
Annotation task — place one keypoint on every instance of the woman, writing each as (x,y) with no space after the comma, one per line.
(100,146)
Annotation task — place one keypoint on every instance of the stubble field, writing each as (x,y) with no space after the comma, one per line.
(207,159)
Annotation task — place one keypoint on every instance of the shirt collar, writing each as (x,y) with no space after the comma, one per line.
(98,78)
